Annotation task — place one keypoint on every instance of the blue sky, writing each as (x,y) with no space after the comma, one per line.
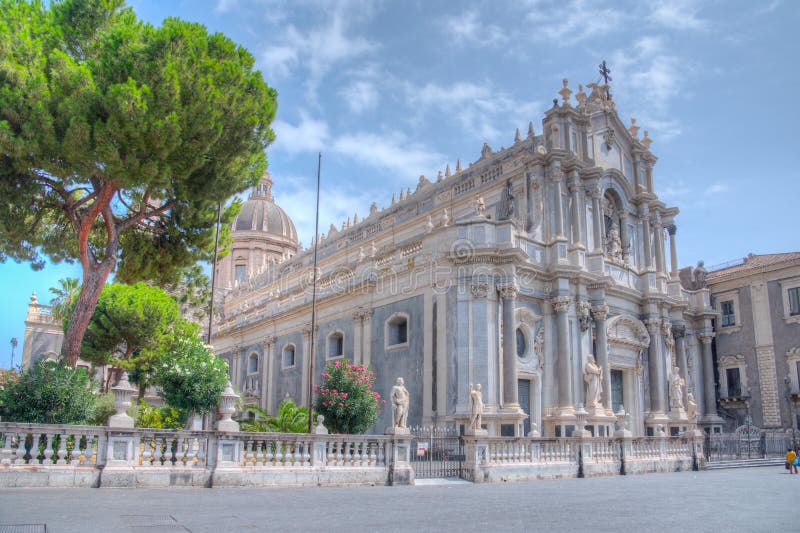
(391,90)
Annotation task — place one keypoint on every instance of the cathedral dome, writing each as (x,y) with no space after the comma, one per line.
(262,215)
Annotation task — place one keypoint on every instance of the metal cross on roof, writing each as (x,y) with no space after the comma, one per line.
(605,72)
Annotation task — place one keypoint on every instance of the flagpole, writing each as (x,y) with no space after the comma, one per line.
(313,307)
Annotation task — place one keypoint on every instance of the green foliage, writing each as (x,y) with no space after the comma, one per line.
(64,297)
(147,416)
(191,376)
(290,419)
(48,393)
(192,291)
(346,398)
(103,409)
(118,140)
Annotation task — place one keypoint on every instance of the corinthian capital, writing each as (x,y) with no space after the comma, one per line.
(679,331)
(653,325)
(508,290)
(705,338)
(600,312)
(479,290)
(560,304)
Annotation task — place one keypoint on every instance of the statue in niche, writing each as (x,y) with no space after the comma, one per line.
(507,202)
(614,243)
(538,345)
(676,384)
(399,398)
(592,375)
(476,401)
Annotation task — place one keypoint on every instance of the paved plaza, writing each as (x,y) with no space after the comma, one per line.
(753,499)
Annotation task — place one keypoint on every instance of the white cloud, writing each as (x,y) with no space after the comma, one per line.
(566,23)
(678,15)
(360,95)
(309,135)
(224,6)
(468,27)
(391,151)
(280,60)
(716,188)
(769,8)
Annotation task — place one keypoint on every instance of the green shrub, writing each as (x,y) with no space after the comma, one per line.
(290,419)
(193,378)
(103,410)
(147,416)
(49,393)
(346,398)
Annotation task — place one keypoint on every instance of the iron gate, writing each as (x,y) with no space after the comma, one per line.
(747,442)
(436,452)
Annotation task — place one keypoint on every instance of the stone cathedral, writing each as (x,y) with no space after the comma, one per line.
(546,272)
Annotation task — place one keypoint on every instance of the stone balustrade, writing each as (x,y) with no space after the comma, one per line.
(34,455)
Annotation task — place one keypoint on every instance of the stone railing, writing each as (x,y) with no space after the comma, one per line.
(91,456)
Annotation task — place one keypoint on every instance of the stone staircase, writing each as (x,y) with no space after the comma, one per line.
(745,463)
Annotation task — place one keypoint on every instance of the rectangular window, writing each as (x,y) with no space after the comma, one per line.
(728,315)
(574,140)
(628,168)
(616,390)
(241,273)
(734,382)
(794,301)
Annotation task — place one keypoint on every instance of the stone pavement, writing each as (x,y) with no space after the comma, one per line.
(748,499)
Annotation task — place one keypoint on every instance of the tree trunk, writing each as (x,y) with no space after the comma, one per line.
(93,281)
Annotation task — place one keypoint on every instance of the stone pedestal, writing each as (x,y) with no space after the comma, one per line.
(476,450)
(227,402)
(400,471)
(469,432)
(397,430)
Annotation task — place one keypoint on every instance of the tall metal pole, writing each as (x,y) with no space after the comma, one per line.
(214,273)
(13,347)
(313,307)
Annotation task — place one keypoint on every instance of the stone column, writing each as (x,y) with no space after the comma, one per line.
(656,367)
(510,393)
(574,187)
(556,176)
(366,337)
(599,313)
(648,168)
(560,306)
(597,220)
(679,332)
(673,250)
(624,236)
(357,326)
(708,375)
(644,213)
(658,237)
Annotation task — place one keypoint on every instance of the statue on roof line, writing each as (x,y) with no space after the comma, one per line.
(506,202)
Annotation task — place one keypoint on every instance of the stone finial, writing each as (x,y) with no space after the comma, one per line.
(227,403)
(517,138)
(34,300)
(458,165)
(447,172)
(647,141)
(439,176)
(373,209)
(355,219)
(394,199)
(486,151)
(565,92)
(122,401)
(634,129)
(402,195)
(531,133)
(408,193)
(429,225)
(581,96)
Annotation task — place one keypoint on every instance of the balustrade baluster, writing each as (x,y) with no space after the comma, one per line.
(259,452)
(279,453)
(339,453)
(5,453)
(62,449)
(372,454)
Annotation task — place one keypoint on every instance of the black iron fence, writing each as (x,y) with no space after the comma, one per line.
(748,442)
(436,452)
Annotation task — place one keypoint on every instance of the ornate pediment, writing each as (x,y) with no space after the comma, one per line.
(627,331)
(731,360)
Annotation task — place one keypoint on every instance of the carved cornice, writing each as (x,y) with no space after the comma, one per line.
(560,304)
(731,360)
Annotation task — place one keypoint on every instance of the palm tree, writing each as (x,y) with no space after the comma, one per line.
(64,297)
(290,419)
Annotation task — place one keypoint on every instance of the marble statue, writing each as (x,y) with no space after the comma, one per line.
(614,243)
(700,275)
(691,410)
(399,397)
(507,202)
(476,400)
(480,207)
(592,375)
(676,384)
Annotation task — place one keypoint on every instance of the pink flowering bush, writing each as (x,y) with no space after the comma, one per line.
(346,398)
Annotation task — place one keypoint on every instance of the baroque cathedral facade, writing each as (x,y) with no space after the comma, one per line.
(546,272)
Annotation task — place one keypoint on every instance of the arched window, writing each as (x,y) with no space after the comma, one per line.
(288,356)
(397,330)
(252,363)
(522,343)
(336,344)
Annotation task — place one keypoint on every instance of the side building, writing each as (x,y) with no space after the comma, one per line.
(546,272)
(757,342)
